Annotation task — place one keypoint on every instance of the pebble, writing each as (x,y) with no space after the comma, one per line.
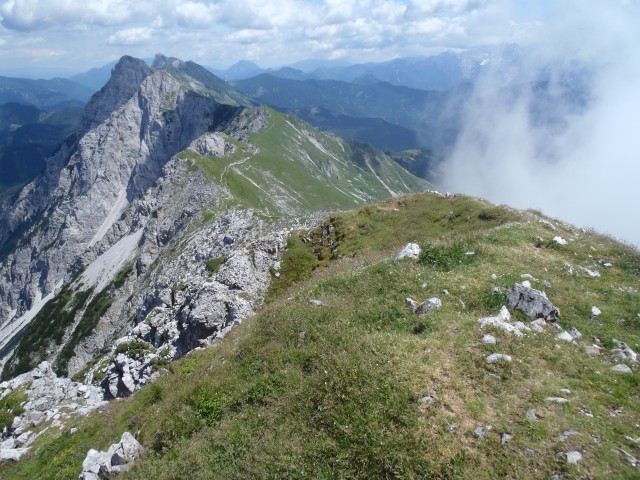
(556,400)
(595,311)
(505,438)
(531,415)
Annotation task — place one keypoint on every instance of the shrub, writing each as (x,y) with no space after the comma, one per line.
(214,264)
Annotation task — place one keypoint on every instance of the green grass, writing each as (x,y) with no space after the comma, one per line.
(301,391)
(290,167)
(11,406)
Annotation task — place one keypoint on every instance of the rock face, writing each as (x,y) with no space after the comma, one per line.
(531,302)
(189,306)
(130,129)
(118,458)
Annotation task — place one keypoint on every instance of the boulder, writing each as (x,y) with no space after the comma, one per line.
(118,458)
(410,250)
(531,302)
(12,454)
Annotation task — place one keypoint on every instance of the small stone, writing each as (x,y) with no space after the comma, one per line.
(496,290)
(445,292)
(629,458)
(481,432)
(573,457)
(566,434)
(621,368)
(575,334)
(527,276)
(413,305)
(531,415)
(565,390)
(559,240)
(73,430)
(592,350)
(556,400)
(607,265)
(505,438)
(452,427)
(565,336)
(595,311)
(498,357)
(494,276)
(526,284)
(632,440)
(428,399)
(529,453)
(316,303)
(428,305)
(489,339)
(302,335)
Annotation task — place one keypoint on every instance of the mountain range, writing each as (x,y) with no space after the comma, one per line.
(200,285)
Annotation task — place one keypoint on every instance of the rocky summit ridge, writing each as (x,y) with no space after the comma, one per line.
(159,224)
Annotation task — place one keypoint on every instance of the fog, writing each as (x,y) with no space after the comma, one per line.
(570,146)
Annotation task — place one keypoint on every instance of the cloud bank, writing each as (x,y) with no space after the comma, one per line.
(568,145)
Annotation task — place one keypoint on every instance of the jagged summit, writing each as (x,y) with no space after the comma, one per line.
(126,78)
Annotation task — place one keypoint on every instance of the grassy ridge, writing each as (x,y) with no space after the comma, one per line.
(334,391)
(290,167)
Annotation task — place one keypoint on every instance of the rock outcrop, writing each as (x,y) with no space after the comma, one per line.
(118,458)
(49,398)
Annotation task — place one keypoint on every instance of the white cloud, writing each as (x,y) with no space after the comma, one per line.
(583,165)
(130,36)
(42,14)
(194,15)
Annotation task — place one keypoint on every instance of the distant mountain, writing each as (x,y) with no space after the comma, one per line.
(238,71)
(438,72)
(95,78)
(27,137)
(49,95)
(432,116)
(201,80)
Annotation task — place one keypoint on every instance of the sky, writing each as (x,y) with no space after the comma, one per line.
(48,37)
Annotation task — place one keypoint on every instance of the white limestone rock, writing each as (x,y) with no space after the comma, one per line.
(410,250)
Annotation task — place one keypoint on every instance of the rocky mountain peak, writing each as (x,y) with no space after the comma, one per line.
(162,62)
(126,78)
